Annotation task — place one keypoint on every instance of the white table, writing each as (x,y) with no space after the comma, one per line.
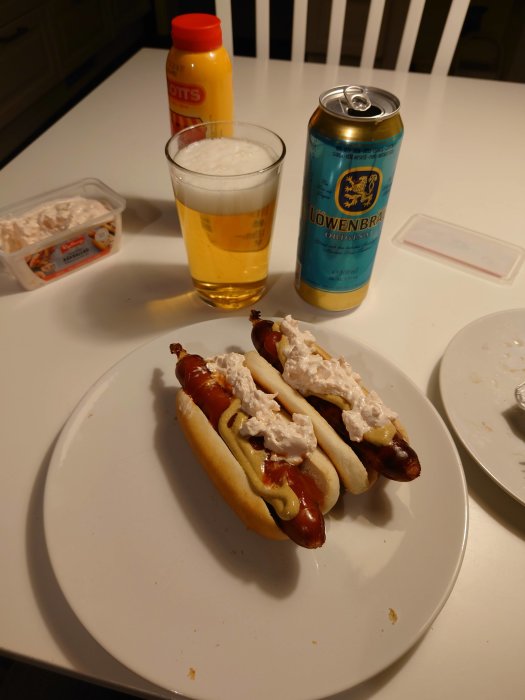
(461,160)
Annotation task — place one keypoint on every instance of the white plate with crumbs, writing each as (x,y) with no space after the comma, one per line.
(480,369)
(168,581)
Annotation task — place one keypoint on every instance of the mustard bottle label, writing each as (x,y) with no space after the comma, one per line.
(199,88)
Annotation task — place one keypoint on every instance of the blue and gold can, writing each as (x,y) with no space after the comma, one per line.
(354,137)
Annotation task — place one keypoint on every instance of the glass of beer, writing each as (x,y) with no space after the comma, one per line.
(225,178)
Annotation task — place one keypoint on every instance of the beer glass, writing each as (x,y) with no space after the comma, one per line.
(225,178)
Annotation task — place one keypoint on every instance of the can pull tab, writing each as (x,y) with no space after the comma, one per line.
(357,98)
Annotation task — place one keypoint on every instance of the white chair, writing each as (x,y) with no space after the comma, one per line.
(444,55)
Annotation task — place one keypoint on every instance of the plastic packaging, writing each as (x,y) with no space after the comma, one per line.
(198,72)
(60,253)
(471,251)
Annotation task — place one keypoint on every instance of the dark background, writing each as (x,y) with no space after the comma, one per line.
(54,52)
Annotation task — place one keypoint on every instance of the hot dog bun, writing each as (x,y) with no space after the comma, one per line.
(224,470)
(352,473)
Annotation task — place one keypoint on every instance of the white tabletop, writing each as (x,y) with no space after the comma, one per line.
(460,161)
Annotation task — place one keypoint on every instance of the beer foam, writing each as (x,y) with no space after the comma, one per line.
(224,156)
(227,176)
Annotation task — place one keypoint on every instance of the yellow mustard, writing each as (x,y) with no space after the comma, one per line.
(281,498)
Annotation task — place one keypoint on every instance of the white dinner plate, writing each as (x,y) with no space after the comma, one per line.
(167,580)
(480,369)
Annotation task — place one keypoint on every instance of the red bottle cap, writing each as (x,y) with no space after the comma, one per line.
(196,32)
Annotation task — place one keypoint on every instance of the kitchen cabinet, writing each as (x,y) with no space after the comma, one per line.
(53,52)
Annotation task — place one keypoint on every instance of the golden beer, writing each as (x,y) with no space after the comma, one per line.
(225,179)
(228,254)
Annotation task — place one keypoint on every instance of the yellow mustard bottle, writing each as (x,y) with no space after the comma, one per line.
(198,72)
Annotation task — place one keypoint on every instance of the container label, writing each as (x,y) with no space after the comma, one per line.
(186,93)
(181,121)
(57,260)
(345,193)
(185,102)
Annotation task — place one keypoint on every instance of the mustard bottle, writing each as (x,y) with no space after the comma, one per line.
(198,71)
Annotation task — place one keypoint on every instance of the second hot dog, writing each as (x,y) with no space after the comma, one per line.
(360,434)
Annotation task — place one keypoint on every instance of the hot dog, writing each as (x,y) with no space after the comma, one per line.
(362,436)
(264,462)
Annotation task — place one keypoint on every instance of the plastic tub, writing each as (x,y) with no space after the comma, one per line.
(65,251)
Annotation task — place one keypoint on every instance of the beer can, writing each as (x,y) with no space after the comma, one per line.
(354,137)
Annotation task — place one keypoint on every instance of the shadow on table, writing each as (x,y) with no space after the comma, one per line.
(136,300)
(491,497)
(139,214)
(515,417)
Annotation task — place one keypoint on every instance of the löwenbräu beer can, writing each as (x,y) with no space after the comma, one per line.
(354,138)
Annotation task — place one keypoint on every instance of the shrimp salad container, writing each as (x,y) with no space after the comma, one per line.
(53,234)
